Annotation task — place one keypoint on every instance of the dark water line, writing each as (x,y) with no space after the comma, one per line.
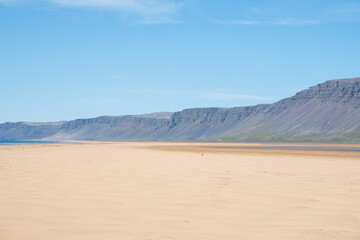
(297,148)
(6,143)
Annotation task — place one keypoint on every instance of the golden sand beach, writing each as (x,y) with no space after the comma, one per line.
(178,191)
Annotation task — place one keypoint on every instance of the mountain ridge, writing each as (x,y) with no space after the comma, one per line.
(326,112)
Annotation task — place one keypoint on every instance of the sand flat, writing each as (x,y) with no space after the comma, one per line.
(172,191)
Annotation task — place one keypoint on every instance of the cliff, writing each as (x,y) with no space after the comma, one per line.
(327,112)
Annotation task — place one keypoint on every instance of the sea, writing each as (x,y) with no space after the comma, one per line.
(5,143)
(296,148)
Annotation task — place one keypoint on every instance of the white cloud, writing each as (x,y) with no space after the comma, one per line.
(296,22)
(149,11)
(139,6)
(349,8)
(287,21)
(239,22)
(296,13)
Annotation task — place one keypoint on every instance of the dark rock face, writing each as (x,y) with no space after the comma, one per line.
(345,92)
(23,131)
(116,122)
(112,128)
(198,116)
(205,123)
(327,112)
(214,116)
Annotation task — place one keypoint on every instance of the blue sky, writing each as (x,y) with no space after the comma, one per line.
(67,59)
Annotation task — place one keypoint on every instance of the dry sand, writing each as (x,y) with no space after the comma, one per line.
(171,191)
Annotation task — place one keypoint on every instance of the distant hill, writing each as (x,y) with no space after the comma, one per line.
(327,112)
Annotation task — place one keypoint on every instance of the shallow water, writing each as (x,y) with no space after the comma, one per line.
(24,142)
(296,148)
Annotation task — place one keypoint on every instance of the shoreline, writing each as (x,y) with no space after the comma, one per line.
(176,191)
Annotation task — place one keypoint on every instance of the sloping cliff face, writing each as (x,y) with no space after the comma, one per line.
(143,127)
(344,92)
(205,123)
(25,131)
(112,128)
(327,112)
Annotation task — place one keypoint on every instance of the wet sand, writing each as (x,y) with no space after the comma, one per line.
(177,191)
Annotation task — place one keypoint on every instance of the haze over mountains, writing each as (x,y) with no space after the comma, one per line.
(327,112)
